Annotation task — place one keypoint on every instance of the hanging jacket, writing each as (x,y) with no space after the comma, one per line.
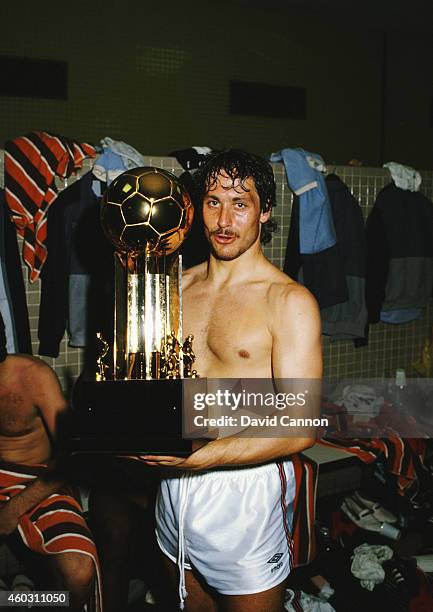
(31,164)
(335,276)
(399,277)
(347,320)
(13,281)
(75,247)
(7,319)
(322,273)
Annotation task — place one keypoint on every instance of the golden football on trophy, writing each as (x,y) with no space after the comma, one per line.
(146,209)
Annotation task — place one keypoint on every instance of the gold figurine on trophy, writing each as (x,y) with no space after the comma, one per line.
(101,364)
(188,358)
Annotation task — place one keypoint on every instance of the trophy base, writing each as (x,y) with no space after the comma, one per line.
(128,417)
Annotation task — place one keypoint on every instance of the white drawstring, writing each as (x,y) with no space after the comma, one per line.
(184,486)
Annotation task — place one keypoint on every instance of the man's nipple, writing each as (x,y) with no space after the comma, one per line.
(244,354)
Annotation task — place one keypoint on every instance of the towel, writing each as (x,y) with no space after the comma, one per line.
(316,226)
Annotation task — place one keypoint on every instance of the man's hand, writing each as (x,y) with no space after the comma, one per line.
(195,461)
(203,457)
(8,519)
(165,461)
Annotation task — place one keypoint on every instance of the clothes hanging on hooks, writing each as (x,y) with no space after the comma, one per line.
(316,227)
(347,320)
(131,157)
(17,326)
(115,158)
(335,276)
(399,279)
(31,164)
(404,177)
(79,256)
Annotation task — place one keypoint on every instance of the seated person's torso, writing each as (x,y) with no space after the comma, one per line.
(23,436)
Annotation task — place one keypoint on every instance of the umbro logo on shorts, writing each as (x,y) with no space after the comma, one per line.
(275,558)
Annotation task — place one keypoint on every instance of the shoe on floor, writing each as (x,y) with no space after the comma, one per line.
(380,513)
(365,519)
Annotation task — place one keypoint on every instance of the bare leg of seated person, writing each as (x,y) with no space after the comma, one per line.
(76,573)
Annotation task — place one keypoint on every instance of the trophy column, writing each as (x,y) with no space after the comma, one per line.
(148,317)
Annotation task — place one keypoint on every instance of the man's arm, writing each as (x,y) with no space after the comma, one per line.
(48,397)
(296,354)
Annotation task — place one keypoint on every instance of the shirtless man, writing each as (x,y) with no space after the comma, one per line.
(221,521)
(32,408)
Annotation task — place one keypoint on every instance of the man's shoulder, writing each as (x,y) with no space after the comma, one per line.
(293,310)
(192,275)
(28,364)
(278,281)
(289,294)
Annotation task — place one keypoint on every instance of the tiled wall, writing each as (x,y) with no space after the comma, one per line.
(389,347)
(164,82)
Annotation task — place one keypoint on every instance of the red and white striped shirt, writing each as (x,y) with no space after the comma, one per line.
(31,164)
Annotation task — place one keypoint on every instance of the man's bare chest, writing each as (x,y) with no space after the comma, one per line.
(230,332)
(17,416)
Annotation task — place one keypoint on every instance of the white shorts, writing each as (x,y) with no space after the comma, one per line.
(237,525)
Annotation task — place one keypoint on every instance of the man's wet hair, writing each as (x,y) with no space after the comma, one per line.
(3,352)
(239,165)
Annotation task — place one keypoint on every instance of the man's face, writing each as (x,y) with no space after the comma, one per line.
(232,217)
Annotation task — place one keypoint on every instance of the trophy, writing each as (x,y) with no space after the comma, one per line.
(133,401)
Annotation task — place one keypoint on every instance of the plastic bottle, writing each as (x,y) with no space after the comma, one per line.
(397,390)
